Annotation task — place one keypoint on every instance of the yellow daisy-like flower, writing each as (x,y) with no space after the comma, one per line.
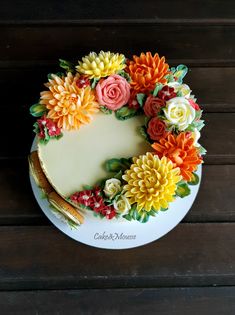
(101,65)
(151,182)
(69,106)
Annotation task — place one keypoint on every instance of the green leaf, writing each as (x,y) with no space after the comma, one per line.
(105,110)
(195,179)
(94,82)
(141,99)
(183,190)
(144,134)
(169,77)
(125,75)
(87,187)
(127,217)
(125,113)
(158,88)
(198,114)
(163,209)
(59,74)
(180,72)
(118,175)
(179,94)
(67,65)
(117,165)
(202,150)
(38,110)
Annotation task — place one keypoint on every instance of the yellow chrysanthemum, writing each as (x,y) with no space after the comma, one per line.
(151,182)
(69,106)
(101,65)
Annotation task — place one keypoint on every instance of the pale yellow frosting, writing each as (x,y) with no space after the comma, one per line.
(78,158)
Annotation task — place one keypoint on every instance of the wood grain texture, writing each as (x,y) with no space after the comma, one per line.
(164,301)
(45,258)
(18,205)
(220,145)
(81,10)
(174,41)
(207,84)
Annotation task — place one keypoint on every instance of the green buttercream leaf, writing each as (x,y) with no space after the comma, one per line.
(163,209)
(105,110)
(125,75)
(158,88)
(117,165)
(59,74)
(125,113)
(94,82)
(180,72)
(194,180)
(169,77)
(198,114)
(67,65)
(118,175)
(202,150)
(87,187)
(182,190)
(141,99)
(38,110)
(179,94)
(127,217)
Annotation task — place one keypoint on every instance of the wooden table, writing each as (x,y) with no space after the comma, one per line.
(189,271)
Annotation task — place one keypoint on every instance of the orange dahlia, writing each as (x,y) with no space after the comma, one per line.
(181,151)
(69,106)
(147,70)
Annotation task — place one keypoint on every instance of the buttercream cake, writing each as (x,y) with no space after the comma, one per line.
(117,137)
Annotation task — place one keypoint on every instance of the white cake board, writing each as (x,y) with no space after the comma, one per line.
(121,234)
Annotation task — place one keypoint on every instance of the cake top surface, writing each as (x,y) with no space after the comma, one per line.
(77,159)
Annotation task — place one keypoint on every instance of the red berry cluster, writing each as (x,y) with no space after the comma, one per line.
(83,82)
(94,200)
(49,125)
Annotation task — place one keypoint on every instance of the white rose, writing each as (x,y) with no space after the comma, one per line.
(196,135)
(179,112)
(112,187)
(122,205)
(183,88)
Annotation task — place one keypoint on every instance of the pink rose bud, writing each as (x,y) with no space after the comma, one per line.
(113,92)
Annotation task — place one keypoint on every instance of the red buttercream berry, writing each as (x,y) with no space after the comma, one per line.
(167,93)
(83,82)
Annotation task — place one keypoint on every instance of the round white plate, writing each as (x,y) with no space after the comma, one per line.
(116,234)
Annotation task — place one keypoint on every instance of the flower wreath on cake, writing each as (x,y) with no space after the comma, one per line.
(140,186)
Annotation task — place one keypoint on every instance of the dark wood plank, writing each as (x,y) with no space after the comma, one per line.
(119,10)
(45,258)
(207,83)
(18,205)
(174,41)
(164,301)
(218,135)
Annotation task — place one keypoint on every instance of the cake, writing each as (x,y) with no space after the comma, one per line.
(116,136)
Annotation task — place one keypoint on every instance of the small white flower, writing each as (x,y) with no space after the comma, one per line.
(122,205)
(183,88)
(112,187)
(179,113)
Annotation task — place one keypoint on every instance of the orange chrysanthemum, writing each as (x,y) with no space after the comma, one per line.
(69,106)
(145,71)
(181,151)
